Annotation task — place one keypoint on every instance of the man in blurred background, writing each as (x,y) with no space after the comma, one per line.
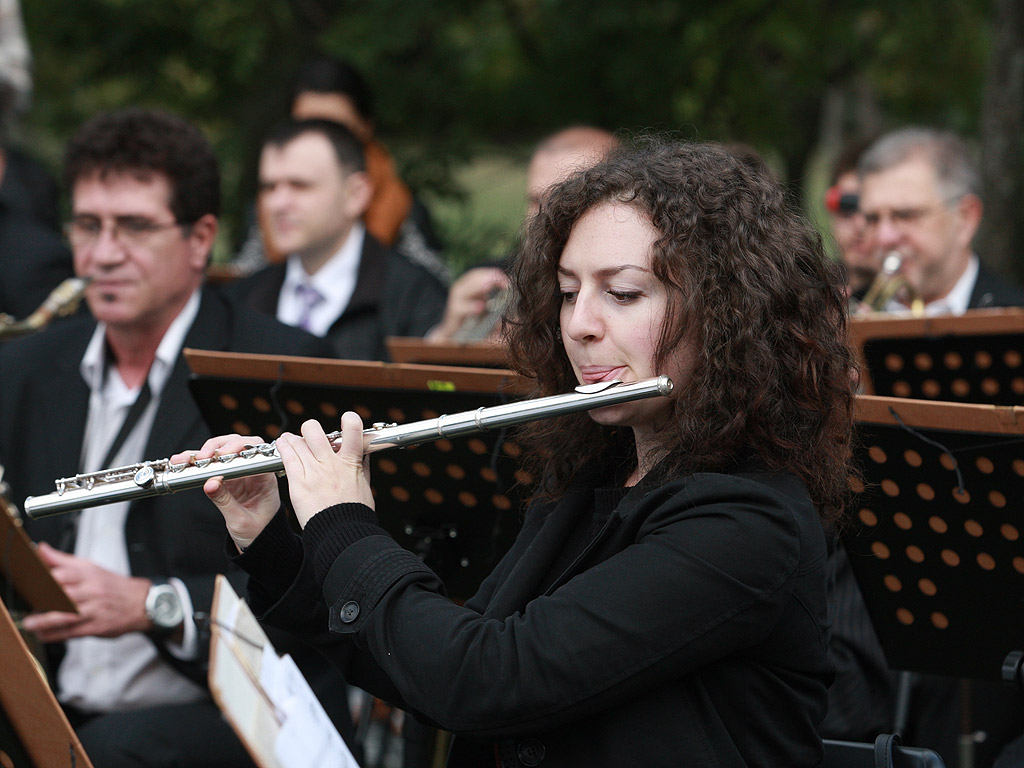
(921,205)
(339,282)
(842,201)
(469,314)
(328,88)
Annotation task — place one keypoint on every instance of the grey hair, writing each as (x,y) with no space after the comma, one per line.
(948,154)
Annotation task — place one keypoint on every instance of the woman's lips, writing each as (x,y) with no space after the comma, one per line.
(591,374)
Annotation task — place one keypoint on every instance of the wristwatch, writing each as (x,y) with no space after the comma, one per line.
(163,608)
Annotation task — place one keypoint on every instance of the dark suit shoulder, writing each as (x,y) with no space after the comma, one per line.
(414,298)
(993,290)
(254,332)
(63,337)
(401,269)
(259,290)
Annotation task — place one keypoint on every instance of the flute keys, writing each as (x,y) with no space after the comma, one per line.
(145,476)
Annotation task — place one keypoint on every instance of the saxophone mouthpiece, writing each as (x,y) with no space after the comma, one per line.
(61,302)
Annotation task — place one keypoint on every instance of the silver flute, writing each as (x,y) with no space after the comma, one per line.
(154,478)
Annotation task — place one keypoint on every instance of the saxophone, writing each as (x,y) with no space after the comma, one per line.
(890,284)
(62,301)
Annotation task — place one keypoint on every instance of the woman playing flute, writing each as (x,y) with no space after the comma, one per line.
(664,602)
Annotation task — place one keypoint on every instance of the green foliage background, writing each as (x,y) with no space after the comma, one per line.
(460,83)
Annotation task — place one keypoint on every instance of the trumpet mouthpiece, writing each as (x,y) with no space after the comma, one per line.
(892,262)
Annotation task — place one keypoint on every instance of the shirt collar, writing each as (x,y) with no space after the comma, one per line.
(959,298)
(94,362)
(337,272)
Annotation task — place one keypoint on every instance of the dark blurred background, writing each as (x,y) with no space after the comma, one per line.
(464,87)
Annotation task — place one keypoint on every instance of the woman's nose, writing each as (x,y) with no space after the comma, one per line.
(584,319)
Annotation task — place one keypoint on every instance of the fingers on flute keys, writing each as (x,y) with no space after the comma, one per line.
(222,445)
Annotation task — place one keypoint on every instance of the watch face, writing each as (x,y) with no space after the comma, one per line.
(164,608)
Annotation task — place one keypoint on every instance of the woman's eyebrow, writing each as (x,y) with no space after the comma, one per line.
(607,271)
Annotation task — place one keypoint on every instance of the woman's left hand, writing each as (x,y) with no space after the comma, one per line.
(247,503)
(319,477)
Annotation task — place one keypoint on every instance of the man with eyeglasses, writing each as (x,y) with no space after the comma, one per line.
(111,390)
(920,203)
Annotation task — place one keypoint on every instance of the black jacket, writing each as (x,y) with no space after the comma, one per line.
(691,630)
(990,290)
(392,297)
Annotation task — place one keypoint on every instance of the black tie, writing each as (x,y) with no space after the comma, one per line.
(67,538)
(130,420)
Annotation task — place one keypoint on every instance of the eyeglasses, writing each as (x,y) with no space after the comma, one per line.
(903,218)
(130,231)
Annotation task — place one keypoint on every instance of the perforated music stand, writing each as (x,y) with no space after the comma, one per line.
(474,354)
(936,539)
(454,502)
(977,357)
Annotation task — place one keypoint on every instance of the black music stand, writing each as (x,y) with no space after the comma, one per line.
(977,357)
(936,539)
(453,502)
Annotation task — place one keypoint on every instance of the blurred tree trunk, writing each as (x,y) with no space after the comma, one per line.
(1001,240)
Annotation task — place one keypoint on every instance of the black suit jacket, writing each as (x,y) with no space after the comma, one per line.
(688,629)
(33,261)
(43,406)
(991,290)
(392,297)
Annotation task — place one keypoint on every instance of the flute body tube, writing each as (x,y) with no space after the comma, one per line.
(154,478)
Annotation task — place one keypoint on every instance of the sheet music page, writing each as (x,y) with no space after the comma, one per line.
(308,738)
(265,696)
(238,696)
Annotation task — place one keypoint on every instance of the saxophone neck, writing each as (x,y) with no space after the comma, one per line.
(62,301)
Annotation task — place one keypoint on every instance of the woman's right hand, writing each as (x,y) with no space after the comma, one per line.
(247,503)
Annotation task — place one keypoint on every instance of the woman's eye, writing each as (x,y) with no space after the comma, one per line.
(624,297)
(568,297)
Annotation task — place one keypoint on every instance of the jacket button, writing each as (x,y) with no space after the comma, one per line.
(349,612)
(530,752)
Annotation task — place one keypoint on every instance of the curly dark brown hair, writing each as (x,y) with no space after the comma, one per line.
(750,286)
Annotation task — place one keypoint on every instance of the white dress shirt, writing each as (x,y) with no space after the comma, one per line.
(106,674)
(953,303)
(335,281)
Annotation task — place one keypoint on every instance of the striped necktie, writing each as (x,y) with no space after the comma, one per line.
(310,298)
